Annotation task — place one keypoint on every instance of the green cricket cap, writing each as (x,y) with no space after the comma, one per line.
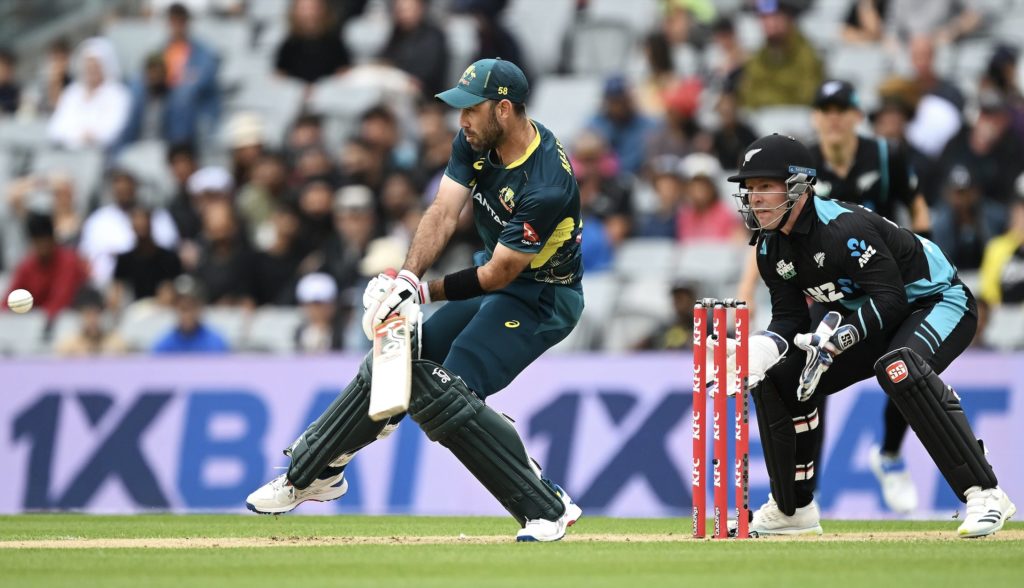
(487,79)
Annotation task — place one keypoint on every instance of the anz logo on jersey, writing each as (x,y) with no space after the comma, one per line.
(830,292)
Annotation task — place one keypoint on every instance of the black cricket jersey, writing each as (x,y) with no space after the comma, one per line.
(860,264)
(531,205)
(879,178)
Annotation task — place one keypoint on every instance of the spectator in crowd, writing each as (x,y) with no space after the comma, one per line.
(54,76)
(435,145)
(379,126)
(685,25)
(1001,76)
(10,90)
(314,163)
(606,191)
(279,264)
(659,75)
(625,130)
(680,134)
(667,181)
(989,149)
(938,115)
(93,336)
(227,266)
(400,200)
(149,118)
(218,8)
(316,203)
(865,21)
(966,221)
(182,162)
(492,36)
(787,69)
(193,100)
(417,46)
(108,231)
(726,55)
(890,120)
(51,272)
(355,221)
(320,330)
(946,21)
(704,215)
(1002,266)
(730,139)
(307,132)
(55,191)
(147,270)
(92,111)
(313,49)
(246,139)
(190,334)
(359,166)
(208,186)
(677,334)
(258,199)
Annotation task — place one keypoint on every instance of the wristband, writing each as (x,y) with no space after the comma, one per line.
(463,285)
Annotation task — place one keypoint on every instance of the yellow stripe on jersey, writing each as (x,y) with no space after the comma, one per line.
(529,150)
(561,234)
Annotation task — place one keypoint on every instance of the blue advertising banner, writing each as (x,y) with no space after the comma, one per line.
(197,434)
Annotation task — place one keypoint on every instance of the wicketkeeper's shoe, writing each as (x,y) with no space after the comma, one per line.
(987,510)
(769,520)
(279,496)
(545,530)
(898,490)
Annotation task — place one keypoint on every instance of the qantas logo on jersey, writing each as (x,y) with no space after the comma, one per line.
(530,236)
(479,198)
(861,250)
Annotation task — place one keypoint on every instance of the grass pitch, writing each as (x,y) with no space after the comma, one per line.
(247,551)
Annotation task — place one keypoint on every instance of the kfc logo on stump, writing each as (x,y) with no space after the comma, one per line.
(529,234)
(897,371)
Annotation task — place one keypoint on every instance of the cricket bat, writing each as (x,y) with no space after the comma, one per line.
(391,381)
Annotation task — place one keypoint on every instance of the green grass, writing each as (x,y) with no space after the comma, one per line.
(828,564)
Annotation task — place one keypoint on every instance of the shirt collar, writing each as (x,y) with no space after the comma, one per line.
(806,218)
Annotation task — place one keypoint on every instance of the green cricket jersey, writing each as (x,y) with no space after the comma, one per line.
(530,205)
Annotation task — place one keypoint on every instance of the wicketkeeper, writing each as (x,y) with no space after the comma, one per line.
(522,297)
(897,311)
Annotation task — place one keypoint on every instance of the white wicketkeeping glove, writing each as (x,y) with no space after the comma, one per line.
(822,346)
(765,350)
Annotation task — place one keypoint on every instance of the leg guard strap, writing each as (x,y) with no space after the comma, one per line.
(483,440)
(934,413)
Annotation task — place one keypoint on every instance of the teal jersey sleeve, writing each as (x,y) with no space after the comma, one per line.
(542,222)
(460,164)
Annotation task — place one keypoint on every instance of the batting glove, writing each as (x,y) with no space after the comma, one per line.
(406,289)
(376,291)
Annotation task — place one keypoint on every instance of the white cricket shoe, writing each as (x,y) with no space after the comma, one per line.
(987,510)
(898,490)
(769,520)
(279,496)
(545,530)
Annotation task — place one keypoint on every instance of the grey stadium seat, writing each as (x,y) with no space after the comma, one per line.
(147,160)
(1005,330)
(565,104)
(85,166)
(22,334)
(143,324)
(638,257)
(713,265)
(600,47)
(277,100)
(639,15)
(540,27)
(134,39)
(642,306)
(229,322)
(789,120)
(273,329)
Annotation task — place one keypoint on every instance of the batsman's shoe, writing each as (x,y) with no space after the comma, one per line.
(898,490)
(279,496)
(545,530)
(769,520)
(987,510)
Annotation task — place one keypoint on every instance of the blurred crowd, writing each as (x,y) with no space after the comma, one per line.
(247,211)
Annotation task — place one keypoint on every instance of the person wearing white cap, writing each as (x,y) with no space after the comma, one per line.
(318,295)
(93,110)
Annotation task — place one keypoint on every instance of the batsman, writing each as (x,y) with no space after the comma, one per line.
(896,310)
(522,296)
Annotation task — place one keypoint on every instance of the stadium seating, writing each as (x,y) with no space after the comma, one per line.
(565,103)
(1008,334)
(22,334)
(85,166)
(273,329)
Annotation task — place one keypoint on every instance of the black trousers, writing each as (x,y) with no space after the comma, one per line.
(938,329)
